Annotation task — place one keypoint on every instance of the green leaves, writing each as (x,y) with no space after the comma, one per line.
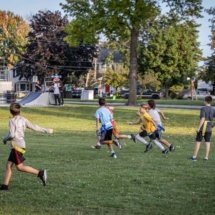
(13,37)
(170,50)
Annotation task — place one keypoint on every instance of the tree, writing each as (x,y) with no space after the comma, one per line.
(120,20)
(149,80)
(116,76)
(170,49)
(209,73)
(47,52)
(13,33)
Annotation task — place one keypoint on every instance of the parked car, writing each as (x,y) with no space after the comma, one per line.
(200,94)
(150,94)
(125,94)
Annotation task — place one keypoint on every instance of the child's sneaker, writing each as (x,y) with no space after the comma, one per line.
(113,155)
(172,148)
(165,151)
(116,143)
(43,176)
(148,147)
(193,158)
(4,187)
(96,147)
(205,159)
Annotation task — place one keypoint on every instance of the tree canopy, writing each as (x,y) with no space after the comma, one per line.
(13,33)
(209,73)
(47,53)
(119,21)
(170,49)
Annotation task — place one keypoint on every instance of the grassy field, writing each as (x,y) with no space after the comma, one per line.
(86,181)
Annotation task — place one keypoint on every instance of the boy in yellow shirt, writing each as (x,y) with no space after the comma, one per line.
(148,128)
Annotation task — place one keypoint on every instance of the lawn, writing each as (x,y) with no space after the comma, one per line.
(139,101)
(86,181)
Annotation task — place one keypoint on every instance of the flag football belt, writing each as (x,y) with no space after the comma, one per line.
(204,127)
(18,149)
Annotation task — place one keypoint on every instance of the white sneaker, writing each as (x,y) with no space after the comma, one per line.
(113,155)
(43,176)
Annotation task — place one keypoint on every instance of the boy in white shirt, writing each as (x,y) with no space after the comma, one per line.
(156,115)
(17,127)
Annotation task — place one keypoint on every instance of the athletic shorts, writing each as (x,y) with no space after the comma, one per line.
(206,136)
(152,136)
(16,157)
(115,130)
(106,135)
(158,133)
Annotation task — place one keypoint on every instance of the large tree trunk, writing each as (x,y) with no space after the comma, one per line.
(132,99)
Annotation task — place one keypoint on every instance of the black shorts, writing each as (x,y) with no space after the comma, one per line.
(16,157)
(152,136)
(106,135)
(206,136)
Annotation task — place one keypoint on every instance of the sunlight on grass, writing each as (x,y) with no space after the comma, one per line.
(86,181)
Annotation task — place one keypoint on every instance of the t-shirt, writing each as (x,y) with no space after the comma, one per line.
(56,88)
(105,117)
(147,123)
(208,113)
(17,127)
(155,116)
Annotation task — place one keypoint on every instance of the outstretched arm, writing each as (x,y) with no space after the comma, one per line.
(162,115)
(38,128)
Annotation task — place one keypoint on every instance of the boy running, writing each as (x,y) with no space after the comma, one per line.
(104,128)
(116,134)
(156,115)
(148,128)
(204,129)
(17,127)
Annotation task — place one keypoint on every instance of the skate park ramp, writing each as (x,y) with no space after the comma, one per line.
(38,99)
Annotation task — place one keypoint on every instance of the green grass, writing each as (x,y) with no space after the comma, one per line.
(85,181)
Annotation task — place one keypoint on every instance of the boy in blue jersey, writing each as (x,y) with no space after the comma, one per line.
(104,127)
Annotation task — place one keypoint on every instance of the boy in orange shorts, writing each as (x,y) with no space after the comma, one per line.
(115,133)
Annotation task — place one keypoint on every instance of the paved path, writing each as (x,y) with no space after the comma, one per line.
(192,107)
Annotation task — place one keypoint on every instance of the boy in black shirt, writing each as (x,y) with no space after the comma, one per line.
(204,129)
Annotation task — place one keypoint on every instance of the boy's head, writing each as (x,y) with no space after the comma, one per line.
(102,101)
(15,109)
(151,104)
(144,108)
(208,99)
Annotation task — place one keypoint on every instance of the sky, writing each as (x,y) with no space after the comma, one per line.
(26,9)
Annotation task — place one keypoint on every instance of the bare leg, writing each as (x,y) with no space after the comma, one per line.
(196,149)
(207,149)
(121,136)
(165,142)
(27,169)
(8,173)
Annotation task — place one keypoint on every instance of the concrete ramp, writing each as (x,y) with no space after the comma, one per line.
(38,99)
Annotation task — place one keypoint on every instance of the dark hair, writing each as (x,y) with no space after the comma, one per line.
(208,99)
(151,104)
(102,101)
(15,109)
